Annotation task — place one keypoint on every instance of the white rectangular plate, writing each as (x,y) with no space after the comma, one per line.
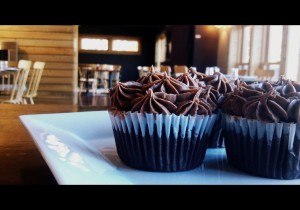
(79,148)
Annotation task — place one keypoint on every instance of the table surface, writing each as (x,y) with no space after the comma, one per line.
(84,152)
(20,160)
(8,69)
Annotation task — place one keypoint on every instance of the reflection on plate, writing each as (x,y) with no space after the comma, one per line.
(80,149)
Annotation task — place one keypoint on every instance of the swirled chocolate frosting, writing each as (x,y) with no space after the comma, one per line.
(188,80)
(197,76)
(211,96)
(265,108)
(123,93)
(167,84)
(252,89)
(287,88)
(253,104)
(233,104)
(150,77)
(161,94)
(193,104)
(154,103)
(219,82)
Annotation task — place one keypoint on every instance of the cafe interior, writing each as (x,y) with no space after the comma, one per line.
(48,69)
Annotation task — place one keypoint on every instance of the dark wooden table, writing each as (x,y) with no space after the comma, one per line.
(20,160)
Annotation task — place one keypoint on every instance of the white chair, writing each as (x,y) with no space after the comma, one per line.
(33,85)
(104,74)
(141,71)
(144,70)
(19,85)
(115,75)
(87,75)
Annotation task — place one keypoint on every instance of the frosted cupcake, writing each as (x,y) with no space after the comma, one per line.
(190,81)
(287,88)
(164,129)
(220,86)
(262,131)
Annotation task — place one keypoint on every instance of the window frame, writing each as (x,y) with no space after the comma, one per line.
(80,46)
(240,64)
(259,48)
(266,65)
(288,45)
(267,47)
(243,46)
(110,39)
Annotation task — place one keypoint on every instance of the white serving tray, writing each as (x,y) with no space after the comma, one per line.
(79,148)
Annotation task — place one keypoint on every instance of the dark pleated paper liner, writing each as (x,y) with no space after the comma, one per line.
(269,150)
(163,143)
(216,139)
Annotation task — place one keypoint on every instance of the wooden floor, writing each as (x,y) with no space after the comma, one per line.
(93,99)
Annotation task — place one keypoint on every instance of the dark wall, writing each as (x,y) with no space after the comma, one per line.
(186,50)
(4,55)
(206,48)
(129,62)
(189,51)
(182,44)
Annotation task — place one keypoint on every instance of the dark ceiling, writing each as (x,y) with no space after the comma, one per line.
(122,29)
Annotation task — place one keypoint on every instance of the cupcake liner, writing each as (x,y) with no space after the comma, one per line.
(265,149)
(216,139)
(157,142)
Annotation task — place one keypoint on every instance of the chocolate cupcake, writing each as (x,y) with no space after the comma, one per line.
(219,82)
(150,77)
(188,80)
(261,130)
(164,129)
(221,86)
(287,88)
(123,93)
(197,76)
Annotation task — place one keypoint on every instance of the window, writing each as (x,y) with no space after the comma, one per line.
(293,53)
(246,44)
(160,49)
(244,47)
(274,45)
(274,48)
(109,44)
(94,44)
(125,45)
